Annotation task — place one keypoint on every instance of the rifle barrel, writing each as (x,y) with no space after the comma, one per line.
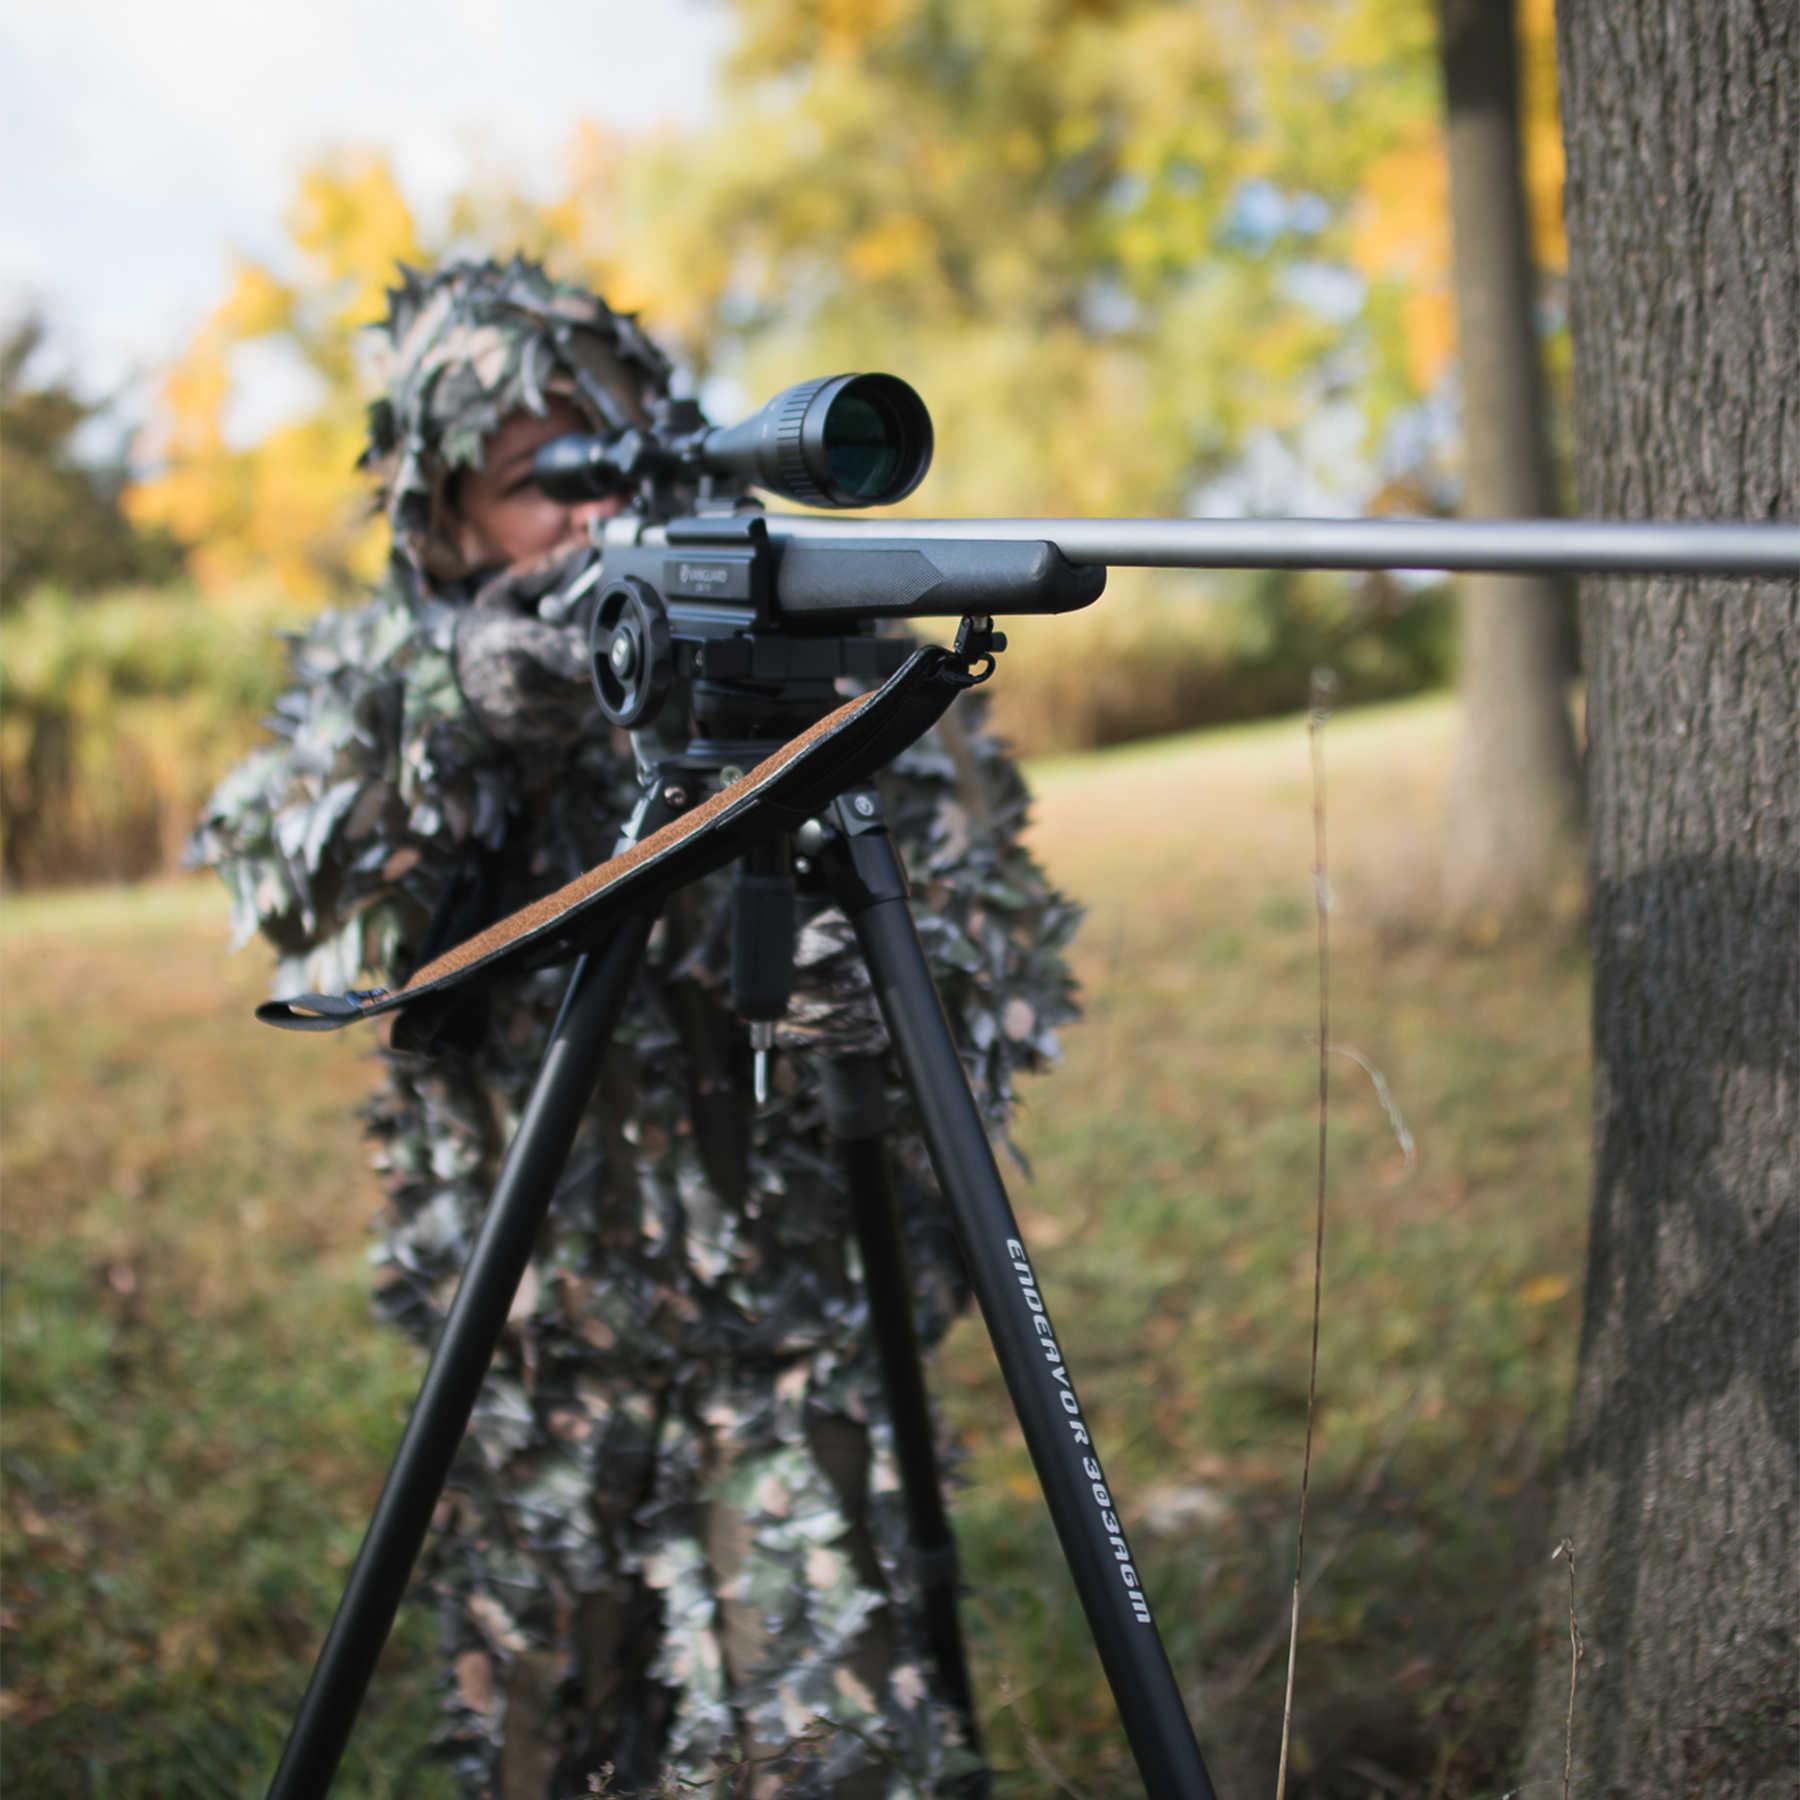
(1504,546)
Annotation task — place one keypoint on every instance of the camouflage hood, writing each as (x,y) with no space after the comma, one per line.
(465,347)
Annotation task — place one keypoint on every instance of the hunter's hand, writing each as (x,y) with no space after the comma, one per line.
(525,679)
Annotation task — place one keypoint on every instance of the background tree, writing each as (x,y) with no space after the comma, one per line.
(1512,845)
(62,522)
(1432,130)
(1682,1482)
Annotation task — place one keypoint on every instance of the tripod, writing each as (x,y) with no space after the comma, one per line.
(819,797)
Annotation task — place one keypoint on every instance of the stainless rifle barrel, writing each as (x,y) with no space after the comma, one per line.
(1505,546)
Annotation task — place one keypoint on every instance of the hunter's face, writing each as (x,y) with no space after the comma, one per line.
(501,515)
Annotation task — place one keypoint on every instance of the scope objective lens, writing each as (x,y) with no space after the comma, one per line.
(863,444)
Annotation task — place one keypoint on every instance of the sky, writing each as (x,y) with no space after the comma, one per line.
(147,140)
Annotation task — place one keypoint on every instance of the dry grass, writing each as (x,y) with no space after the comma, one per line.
(197,1407)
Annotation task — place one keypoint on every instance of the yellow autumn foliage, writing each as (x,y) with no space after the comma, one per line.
(1401,221)
(1542,128)
(352,225)
(894,244)
(1030,210)
(122,710)
(256,306)
(288,509)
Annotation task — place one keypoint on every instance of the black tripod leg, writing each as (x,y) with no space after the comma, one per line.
(590,1010)
(855,1095)
(867,882)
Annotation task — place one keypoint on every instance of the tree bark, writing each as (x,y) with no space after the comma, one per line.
(1680,1487)
(1512,843)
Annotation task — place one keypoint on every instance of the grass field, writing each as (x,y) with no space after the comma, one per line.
(198,1408)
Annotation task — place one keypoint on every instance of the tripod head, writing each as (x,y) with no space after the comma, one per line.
(713,647)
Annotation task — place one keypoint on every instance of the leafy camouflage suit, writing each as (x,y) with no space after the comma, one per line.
(673,1543)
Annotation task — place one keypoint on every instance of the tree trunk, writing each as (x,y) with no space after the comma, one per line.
(1512,845)
(1680,1488)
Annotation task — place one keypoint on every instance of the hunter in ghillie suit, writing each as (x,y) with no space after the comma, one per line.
(673,1546)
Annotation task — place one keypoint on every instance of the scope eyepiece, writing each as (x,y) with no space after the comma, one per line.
(594,466)
(842,440)
(574,468)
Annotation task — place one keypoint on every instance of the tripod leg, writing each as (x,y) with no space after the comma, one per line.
(590,1010)
(867,882)
(856,1114)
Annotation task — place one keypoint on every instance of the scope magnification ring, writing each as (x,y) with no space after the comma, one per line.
(630,654)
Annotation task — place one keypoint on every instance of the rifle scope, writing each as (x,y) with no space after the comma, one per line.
(840,440)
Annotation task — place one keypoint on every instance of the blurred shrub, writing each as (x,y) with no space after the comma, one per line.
(117,714)
(1162,653)
(63,517)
